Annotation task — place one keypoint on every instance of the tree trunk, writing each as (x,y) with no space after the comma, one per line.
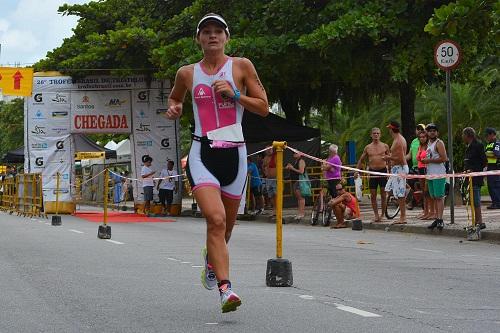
(407,96)
(290,105)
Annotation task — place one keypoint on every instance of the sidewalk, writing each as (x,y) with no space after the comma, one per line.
(414,225)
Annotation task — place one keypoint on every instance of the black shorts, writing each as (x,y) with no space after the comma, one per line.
(166,196)
(422,171)
(256,191)
(148,193)
(376,181)
(332,187)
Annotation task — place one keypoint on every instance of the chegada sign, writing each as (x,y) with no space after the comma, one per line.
(447,54)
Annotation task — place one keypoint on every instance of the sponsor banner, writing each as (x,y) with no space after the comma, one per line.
(48,156)
(66,83)
(48,114)
(100,112)
(153,135)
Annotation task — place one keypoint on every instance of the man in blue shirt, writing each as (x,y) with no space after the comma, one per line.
(255,187)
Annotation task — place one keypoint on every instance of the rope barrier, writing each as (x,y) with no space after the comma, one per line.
(408,176)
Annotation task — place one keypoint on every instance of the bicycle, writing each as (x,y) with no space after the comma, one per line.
(392,209)
(414,197)
(321,210)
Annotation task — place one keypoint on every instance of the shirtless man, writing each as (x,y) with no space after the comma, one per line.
(397,159)
(375,153)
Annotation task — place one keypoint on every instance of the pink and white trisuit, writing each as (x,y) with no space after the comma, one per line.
(224,168)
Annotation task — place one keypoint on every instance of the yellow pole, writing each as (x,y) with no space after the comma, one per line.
(106,180)
(471,199)
(25,194)
(279,146)
(57,193)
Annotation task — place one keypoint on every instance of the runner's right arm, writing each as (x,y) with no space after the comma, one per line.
(178,94)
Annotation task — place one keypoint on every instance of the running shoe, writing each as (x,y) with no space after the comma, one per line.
(228,299)
(440,224)
(208,278)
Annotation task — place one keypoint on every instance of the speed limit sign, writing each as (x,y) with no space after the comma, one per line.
(447,54)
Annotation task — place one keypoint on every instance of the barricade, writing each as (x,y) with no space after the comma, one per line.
(23,195)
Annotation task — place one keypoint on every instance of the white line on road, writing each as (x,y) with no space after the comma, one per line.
(76,231)
(356,311)
(211,323)
(173,259)
(426,250)
(306,297)
(114,242)
(197,266)
(185,262)
(47,223)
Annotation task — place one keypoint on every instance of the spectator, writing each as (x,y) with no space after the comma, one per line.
(475,161)
(493,156)
(375,152)
(429,211)
(117,188)
(298,168)
(358,185)
(269,168)
(345,206)
(166,187)
(332,169)
(147,183)
(399,167)
(435,158)
(255,187)
(412,156)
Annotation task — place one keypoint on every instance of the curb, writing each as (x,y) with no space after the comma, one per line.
(405,228)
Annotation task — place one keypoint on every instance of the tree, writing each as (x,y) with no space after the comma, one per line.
(11,125)
(310,54)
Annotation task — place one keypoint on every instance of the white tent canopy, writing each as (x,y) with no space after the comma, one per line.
(123,151)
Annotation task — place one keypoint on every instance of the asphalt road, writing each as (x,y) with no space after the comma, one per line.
(64,279)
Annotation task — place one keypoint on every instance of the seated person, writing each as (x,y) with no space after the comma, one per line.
(345,206)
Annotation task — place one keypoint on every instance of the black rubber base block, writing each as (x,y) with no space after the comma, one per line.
(56,220)
(104,232)
(279,273)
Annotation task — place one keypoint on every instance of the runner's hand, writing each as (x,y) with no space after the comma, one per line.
(174,111)
(224,88)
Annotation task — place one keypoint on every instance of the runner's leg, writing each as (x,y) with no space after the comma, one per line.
(212,207)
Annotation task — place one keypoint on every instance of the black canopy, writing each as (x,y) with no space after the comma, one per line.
(274,128)
(84,144)
(14,156)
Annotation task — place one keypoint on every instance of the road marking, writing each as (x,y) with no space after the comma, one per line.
(76,231)
(185,262)
(173,259)
(47,223)
(469,255)
(306,297)
(197,266)
(114,242)
(426,250)
(356,311)
(211,323)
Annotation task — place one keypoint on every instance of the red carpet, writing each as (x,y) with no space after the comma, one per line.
(118,217)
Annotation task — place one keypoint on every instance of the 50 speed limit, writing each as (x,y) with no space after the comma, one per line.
(447,54)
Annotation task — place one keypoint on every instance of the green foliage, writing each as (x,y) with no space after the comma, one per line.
(325,56)
(11,125)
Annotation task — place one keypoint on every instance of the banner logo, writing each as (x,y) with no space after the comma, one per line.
(39,161)
(38,130)
(60,145)
(165,142)
(38,98)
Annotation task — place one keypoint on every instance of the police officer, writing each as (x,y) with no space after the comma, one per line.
(493,155)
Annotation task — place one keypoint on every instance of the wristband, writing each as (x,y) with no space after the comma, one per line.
(237,95)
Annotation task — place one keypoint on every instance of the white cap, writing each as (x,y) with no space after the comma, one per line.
(212,17)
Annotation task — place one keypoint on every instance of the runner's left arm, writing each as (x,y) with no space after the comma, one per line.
(256,99)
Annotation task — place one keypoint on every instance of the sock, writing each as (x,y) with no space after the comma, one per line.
(223,285)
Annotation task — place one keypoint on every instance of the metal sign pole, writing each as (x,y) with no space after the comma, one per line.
(450,147)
